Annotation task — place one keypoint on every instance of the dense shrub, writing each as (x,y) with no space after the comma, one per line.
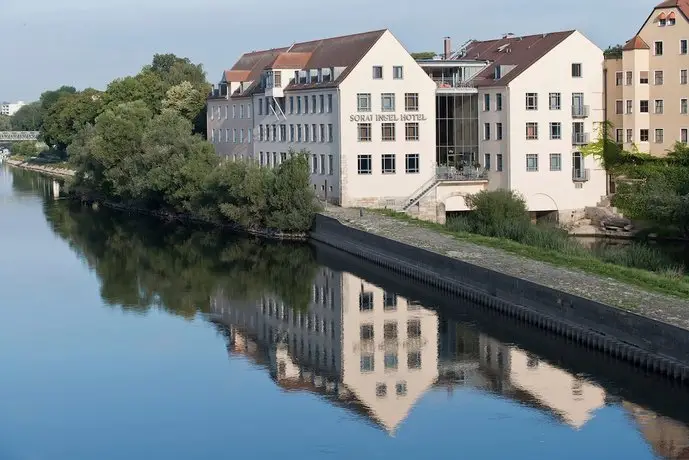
(491,208)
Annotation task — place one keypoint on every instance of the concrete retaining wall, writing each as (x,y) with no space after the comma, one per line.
(650,344)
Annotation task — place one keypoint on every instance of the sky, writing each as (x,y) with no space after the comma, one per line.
(88,43)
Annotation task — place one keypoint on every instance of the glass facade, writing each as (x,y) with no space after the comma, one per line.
(456,129)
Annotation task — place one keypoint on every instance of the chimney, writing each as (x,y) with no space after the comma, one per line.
(447,48)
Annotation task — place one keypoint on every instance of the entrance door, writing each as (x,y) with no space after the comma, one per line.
(577,166)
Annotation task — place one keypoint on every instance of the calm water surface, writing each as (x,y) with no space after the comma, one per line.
(122,338)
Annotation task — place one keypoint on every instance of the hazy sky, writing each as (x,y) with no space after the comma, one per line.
(48,43)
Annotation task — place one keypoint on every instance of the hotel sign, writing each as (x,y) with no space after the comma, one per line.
(388,117)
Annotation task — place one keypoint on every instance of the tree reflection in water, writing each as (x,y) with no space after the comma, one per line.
(143,263)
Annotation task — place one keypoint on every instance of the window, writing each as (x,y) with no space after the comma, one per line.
(381,390)
(387,102)
(234,111)
(306,104)
(658,77)
(683,135)
(486,102)
(314,164)
(629,77)
(411,161)
(389,301)
(414,360)
(322,132)
(498,162)
(330,103)
(532,162)
(321,105)
(234,135)
(241,136)
(531,130)
(401,388)
(314,133)
(630,108)
(260,133)
(388,131)
(555,130)
(662,21)
(364,164)
(390,360)
(486,161)
(283,133)
(619,135)
(555,162)
(658,48)
(643,106)
(683,106)
(413,328)
(554,101)
(366,332)
(397,72)
(683,46)
(619,107)
(388,163)
(576,70)
(658,106)
(531,101)
(411,102)
(330,132)
(643,77)
(498,131)
(367,362)
(363,102)
(298,104)
(411,131)
(498,102)
(291,133)
(307,133)
(364,132)
(486,131)
(671,20)
(377,72)
(643,135)
(291,105)
(683,77)
(260,106)
(659,136)
(630,135)
(619,78)
(241,110)
(299,133)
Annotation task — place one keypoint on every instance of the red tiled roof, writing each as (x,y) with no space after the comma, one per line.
(520,52)
(636,43)
(682,5)
(345,51)
(290,60)
(236,75)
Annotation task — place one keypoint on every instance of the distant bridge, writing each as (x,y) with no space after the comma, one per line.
(18,136)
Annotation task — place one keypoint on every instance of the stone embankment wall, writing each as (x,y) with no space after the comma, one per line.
(648,343)
(54,171)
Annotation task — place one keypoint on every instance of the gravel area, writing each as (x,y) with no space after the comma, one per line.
(661,307)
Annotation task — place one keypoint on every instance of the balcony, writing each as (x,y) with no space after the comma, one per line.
(273,84)
(580,138)
(452,85)
(463,174)
(580,111)
(581,175)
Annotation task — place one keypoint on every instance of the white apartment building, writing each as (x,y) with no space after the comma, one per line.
(507,113)
(359,104)
(10,108)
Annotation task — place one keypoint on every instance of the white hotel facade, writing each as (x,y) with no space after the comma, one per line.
(384,130)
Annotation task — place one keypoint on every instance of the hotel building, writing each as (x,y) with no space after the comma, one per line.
(372,351)
(647,91)
(385,131)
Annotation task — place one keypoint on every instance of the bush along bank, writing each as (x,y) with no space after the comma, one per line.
(500,219)
(133,159)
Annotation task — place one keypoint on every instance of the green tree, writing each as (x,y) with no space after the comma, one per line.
(5,123)
(25,149)
(291,199)
(186,100)
(69,115)
(48,98)
(28,117)
(613,52)
(146,86)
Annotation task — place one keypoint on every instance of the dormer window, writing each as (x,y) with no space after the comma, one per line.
(303,75)
(326,75)
(671,19)
(313,74)
(662,20)
(498,74)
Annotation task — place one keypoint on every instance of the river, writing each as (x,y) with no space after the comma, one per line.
(126,338)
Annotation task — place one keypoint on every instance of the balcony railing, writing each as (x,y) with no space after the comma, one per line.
(580,138)
(465,173)
(449,83)
(580,111)
(580,175)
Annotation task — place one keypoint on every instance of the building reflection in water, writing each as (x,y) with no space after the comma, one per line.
(377,353)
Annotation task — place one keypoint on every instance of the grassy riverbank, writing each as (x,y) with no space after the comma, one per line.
(672,282)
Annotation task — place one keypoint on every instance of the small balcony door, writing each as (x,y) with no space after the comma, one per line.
(578,102)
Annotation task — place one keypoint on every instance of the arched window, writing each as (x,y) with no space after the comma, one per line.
(671,19)
(662,20)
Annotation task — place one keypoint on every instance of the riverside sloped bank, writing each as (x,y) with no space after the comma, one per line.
(571,303)
(45,169)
